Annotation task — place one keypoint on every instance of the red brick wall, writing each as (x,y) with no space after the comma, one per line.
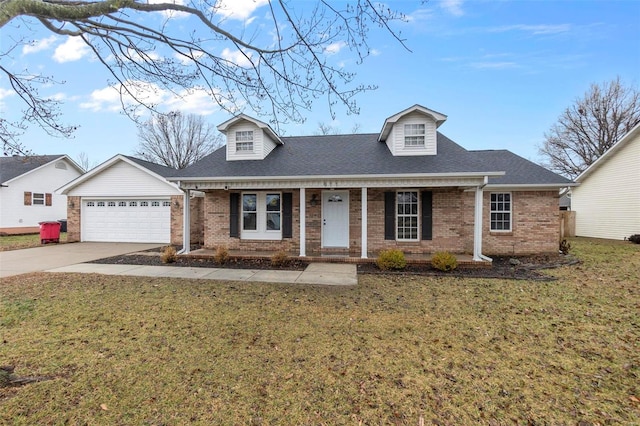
(73,219)
(196,222)
(534,224)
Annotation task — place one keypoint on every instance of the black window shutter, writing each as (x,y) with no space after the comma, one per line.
(234,215)
(427,215)
(287,215)
(389,215)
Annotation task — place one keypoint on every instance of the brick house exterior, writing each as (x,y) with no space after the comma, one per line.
(408,187)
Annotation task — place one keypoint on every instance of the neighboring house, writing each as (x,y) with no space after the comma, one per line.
(408,187)
(607,202)
(27,192)
(124,199)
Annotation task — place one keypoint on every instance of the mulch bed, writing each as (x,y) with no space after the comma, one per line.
(520,268)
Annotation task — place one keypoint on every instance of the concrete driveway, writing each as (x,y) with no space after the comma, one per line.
(52,256)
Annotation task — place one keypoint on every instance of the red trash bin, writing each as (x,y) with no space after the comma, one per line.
(49,232)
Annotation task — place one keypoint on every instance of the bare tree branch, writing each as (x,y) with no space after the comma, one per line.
(589,127)
(176,140)
(278,72)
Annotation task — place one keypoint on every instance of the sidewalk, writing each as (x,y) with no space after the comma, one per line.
(316,273)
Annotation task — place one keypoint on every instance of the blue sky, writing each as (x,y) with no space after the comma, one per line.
(502,71)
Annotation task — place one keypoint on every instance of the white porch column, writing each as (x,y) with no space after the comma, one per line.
(303,222)
(186,223)
(477,226)
(363,221)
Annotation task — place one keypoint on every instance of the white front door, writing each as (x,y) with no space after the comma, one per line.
(335,219)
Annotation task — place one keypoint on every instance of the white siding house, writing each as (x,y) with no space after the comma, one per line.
(607,201)
(27,195)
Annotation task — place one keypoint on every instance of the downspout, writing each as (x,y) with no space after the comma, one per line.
(477,234)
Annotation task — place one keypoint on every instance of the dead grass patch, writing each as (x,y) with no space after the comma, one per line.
(394,349)
(17,242)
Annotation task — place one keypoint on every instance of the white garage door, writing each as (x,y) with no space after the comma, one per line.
(126,220)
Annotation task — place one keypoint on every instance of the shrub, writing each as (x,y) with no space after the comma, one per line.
(444,261)
(635,238)
(391,259)
(169,255)
(279,259)
(221,256)
(565,246)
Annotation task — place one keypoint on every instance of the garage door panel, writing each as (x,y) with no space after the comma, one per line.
(126,221)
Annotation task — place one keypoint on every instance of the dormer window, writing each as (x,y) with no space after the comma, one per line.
(244,141)
(414,135)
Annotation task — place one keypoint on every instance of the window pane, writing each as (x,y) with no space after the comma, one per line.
(273,221)
(273,202)
(249,202)
(249,222)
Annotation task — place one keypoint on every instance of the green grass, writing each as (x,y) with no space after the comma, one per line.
(17,242)
(393,350)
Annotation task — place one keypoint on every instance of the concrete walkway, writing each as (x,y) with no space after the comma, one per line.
(51,256)
(316,273)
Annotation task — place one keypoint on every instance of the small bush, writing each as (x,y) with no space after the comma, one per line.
(280,259)
(391,259)
(565,246)
(221,256)
(635,238)
(444,261)
(169,255)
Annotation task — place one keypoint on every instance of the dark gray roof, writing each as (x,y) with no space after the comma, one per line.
(337,155)
(159,169)
(519,171)
(11,167)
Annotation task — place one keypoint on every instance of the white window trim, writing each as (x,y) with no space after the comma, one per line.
(418,216)
(246,140)
(261,233)
(510,211)
(423,135)
(33,199)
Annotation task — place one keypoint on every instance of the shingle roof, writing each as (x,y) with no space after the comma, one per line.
(519,171)
(362,154)
(11,167)
(337,155)
(159,169)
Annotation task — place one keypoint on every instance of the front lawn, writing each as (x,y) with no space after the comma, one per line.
(17,242)
(394,350)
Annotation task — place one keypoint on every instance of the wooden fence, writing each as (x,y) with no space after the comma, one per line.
(567,224)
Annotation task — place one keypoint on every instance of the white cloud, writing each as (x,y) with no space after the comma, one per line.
(5,93)
(71,50)
(197,100)
(419,15)
(494,65)
(540,29)
(334,48)
(38,45)
(238,9)
(186,60)
(237,57)
(454,7)
(375,52)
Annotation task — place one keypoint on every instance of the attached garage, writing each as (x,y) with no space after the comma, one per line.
(127,220)
(124,199)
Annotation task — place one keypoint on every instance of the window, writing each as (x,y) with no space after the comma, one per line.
(112,203)
(261,216)
(244,141)
(133,204)
(100,203)
(38,199)
(144,204)
(166,204)
(91,204)
(501,211)
(407,215)
(155,204)
(414,135)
